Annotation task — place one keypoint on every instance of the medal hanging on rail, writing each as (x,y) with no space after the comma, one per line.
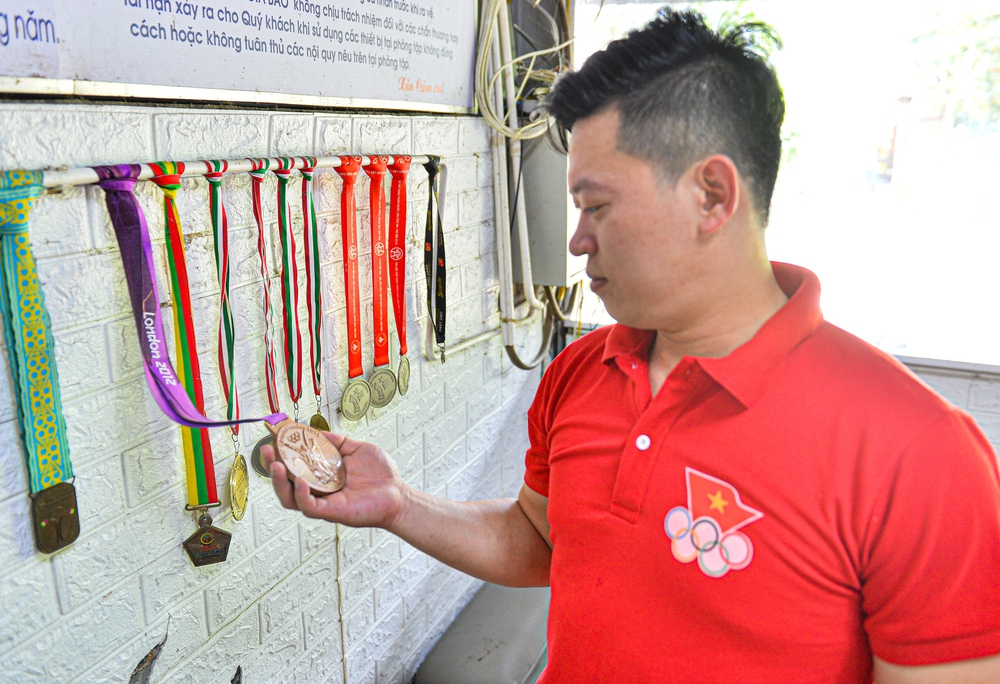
(314,290)
(175,395)
(357,395)
(399,169)
(200,466)
(434,261)
(382,380)
(259,168)
(239,483)
(31,356)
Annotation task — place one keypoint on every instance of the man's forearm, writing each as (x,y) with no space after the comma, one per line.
(491,540)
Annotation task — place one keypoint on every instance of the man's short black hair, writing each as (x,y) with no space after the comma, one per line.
(683,92)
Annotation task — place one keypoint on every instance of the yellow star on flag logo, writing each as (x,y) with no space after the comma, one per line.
(718,503)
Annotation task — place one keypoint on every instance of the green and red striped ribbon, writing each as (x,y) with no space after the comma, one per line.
(259,168)
(197,446)
(289,282)
(227,330)
(314,284)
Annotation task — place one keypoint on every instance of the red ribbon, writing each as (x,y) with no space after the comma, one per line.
(397,245)
(376,205)
(348,170)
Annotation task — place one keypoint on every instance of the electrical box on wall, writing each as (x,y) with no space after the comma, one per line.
(552,218)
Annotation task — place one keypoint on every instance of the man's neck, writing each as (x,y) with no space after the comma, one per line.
(719,330)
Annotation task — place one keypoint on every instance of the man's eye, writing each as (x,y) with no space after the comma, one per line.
(594,209)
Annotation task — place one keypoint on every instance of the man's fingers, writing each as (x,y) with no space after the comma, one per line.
(304,500)
(345,445)
(282,485)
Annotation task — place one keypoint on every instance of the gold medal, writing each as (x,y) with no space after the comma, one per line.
(239,487)
(318,422)
(356,399)
(257,459)
(383,384)
(403,376)
(308,454)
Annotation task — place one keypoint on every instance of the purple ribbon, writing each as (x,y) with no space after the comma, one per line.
(118,183)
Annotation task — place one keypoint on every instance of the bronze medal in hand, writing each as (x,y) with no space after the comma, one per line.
(308,454)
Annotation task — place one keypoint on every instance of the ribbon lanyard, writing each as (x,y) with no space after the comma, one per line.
(31,355)
(382,380)
(314,289)
(357,395)
(289,285)
(259,168)
(202,491)
(227,331)
(238,480)
(434,261)
(399,169)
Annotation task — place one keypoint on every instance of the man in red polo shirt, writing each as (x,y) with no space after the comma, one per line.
(722,487)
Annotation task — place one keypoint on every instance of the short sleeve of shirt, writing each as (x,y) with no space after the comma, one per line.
(536,461)
(930,573)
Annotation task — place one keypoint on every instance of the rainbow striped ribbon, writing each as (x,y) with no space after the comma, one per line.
(227,330)
(197,446)
(289,283)
(27,332)
(259,169)
(314,284)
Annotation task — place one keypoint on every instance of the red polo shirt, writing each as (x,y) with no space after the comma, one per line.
(776,515)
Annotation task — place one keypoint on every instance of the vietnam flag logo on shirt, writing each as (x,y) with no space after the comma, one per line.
(708,528)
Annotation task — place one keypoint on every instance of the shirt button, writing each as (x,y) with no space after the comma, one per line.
(634,366)
(687,373)
(642,442)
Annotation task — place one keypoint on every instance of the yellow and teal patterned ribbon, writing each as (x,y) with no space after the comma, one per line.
(27,331)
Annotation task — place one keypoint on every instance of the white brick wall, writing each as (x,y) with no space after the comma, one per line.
(295,595)
(973,387)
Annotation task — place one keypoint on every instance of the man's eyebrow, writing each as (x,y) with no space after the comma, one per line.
(587,184)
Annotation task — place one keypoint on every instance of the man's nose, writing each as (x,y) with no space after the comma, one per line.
(583,241)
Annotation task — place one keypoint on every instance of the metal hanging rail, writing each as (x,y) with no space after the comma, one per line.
(57,178)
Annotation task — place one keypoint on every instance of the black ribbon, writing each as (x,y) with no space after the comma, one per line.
(433,166)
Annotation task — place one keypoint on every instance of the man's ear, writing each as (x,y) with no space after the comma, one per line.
(718,184)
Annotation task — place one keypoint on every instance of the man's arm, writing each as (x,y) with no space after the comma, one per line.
(977,671)
(503,541)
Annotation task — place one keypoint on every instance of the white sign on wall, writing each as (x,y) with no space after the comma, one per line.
(414,54)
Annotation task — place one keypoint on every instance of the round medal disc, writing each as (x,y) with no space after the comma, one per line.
(257,459)
(318,422)
(308,454)
(239,487)
(383,384)
(356,399)
(403,376)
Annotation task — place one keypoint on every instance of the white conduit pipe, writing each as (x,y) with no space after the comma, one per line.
(527,278)
(501,214)
(86,176)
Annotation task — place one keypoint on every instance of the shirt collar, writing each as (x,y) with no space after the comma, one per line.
(746,371)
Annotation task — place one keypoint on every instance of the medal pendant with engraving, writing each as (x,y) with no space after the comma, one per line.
(356,399)
(318,422)
(55,517)
(306,453)
(403,376)
(257,459)
(239,487)
(208,544)
(383,384)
